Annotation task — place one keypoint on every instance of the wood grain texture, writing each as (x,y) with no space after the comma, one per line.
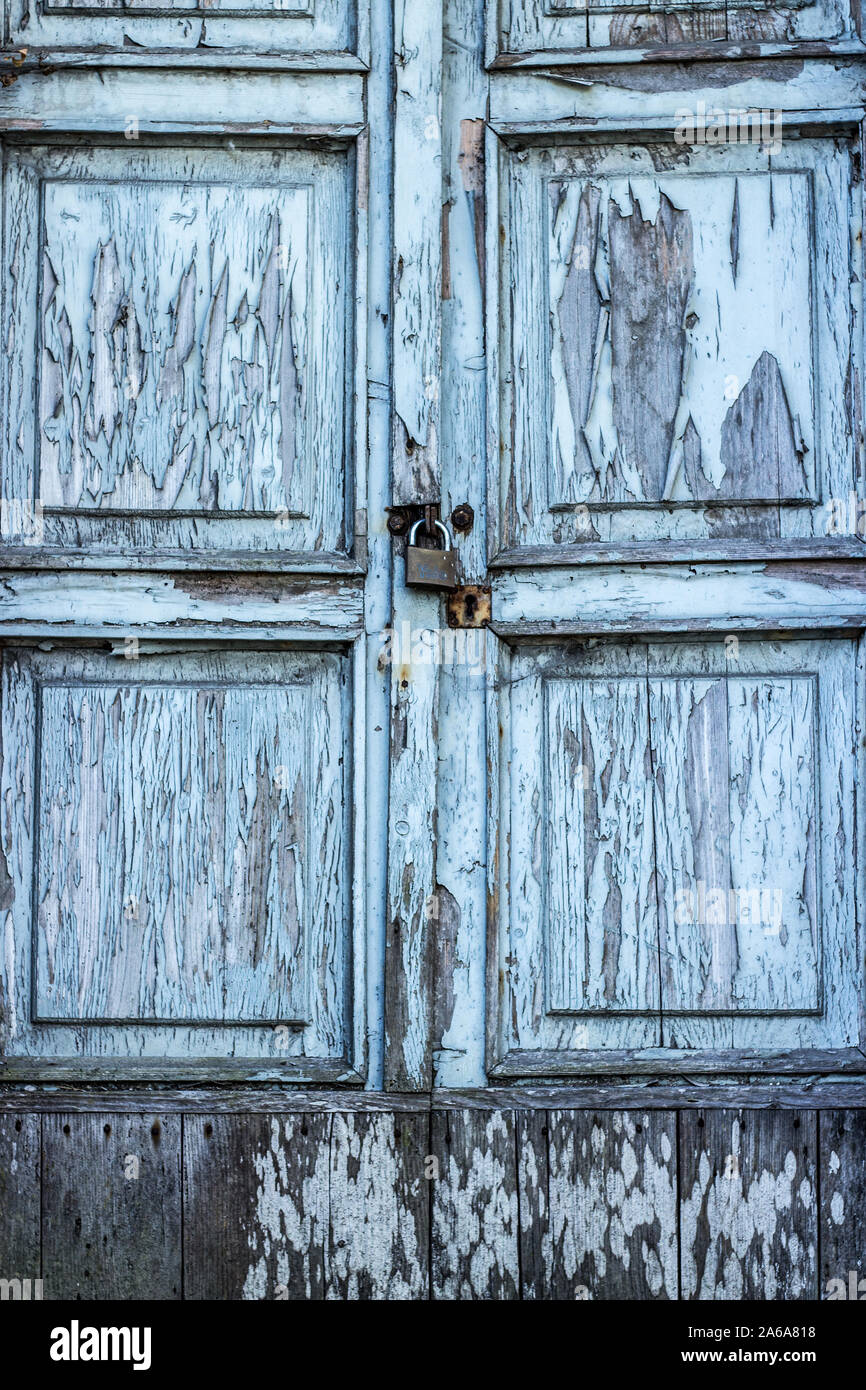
(218,895)
(528,1198)
(199,393)
(843,1196)
(20,1195)
(561,30)
(749,1217)
(417,253)
(255,1206)
(327,29)
(601,921)
(461,791)
(664,884)
(306,1207)
(598,1206)
(635,405)
(413,904)
(475,1205)
(111,1207)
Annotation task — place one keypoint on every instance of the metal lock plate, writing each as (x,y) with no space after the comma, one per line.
(431,569)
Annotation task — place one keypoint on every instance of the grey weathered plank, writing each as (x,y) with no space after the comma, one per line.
(20,1178)
(809,1093)
(842,1181)
(749,1205)
(689,1095)
(111,1206)
(668,1062)
(255,1194)
(306,1206)
(379,1208)
(474,1218)
(598,1205)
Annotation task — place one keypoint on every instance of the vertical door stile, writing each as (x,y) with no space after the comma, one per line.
(416,478)
(464,652)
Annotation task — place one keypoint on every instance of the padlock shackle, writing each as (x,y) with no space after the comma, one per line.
(440,526)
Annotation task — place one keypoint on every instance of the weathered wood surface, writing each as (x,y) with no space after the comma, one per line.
(598,1205)
(182,403)
(749,1211)
(417,252)
(111,1206)
(475,1206)
(329,33)
(306,1207)
(666,831)
(497,1203)
(181,798)
(634,404)
(564,31)
(20,1194)
(843,1197)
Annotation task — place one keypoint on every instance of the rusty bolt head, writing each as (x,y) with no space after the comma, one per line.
(462,517)
(398,523)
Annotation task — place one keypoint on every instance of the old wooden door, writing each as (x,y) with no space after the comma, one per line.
(186,314)
(387,884)
(667,255)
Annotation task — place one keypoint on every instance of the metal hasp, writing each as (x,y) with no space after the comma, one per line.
(431,569)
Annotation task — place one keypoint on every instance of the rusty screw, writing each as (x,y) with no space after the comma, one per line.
(462,517)
(398,523)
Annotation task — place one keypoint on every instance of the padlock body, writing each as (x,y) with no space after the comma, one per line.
(431,569)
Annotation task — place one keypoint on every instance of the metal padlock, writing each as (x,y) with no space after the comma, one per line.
(431,569)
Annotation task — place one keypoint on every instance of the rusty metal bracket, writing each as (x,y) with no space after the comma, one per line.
(470,606)
(401,519)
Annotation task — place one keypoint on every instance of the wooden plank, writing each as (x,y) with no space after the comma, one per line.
(255,1200)
(474,1220)
(598,1205)
(670,552)
(306,1206)
(416,478)
(266,1099)
(689,1094)
(417,252)
(669,1062)
(736,597)
(246,607)
(842,1185)
(111,1206)
(412,900)
(460,896)
(20,1196)
(379,1208)
(533,1183)
(749,1208)
(531,1100)
(169,99)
